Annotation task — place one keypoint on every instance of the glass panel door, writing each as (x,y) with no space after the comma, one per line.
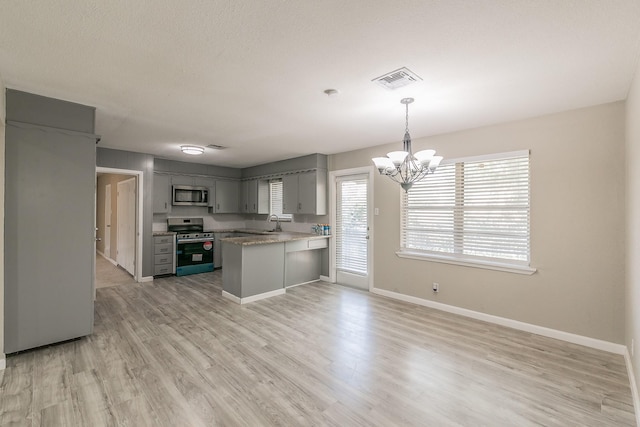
(352,230)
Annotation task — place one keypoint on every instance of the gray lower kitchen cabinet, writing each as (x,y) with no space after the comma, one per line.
(161,193)
(227,196)
(163,255)
(253,270)
(305,193)
(217,247)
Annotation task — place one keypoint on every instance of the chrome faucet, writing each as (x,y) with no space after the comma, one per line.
(278,227)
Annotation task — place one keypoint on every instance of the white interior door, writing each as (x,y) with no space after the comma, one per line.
(352,230)
(107,221)
(126,208)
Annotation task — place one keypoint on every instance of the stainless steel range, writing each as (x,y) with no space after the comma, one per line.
(194,247)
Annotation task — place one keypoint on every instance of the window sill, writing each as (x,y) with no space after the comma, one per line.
(488,265)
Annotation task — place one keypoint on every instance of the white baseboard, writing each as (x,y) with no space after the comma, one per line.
(303,283)
(515,324)
(146,279)
(3,362)
(253,298)
(325,279)
(231,297)
(633,383)
(112,261)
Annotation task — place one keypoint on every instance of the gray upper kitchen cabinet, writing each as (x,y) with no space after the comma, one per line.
(50,189)
(210,183)
(227,197)
(183,180)
(255,196)
(161,193)
(263,195)
(305,193)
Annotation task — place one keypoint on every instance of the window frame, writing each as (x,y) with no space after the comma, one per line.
(457,258)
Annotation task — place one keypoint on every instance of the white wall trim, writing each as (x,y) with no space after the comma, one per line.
(139,212)
(107,258)
(3,362)
(333,175)
(231,297)
(510,323)
(302,283)
(146,279)
(488,265)
(325,278)
(253,298)
(633,383)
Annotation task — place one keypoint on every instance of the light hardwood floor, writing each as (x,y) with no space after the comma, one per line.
(108,274)
(173,352)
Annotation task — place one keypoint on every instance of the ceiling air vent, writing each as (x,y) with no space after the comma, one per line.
(397,79)
(216,147)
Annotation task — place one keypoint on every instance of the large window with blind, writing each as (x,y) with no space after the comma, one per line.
(275,200)
(473,210)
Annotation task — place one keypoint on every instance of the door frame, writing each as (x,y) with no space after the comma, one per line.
(123,207)
(139,206)
(107,222)
(365,170)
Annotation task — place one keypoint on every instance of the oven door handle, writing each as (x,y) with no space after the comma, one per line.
(194,241)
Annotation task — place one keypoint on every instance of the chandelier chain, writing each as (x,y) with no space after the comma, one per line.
(406,126)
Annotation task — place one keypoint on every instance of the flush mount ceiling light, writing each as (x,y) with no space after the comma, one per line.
(405,167)
(192,149)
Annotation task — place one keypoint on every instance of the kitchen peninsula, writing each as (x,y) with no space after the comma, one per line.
(262,266)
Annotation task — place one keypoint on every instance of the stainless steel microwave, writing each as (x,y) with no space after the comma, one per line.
(188,195)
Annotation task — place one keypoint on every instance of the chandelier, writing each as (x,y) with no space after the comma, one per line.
(404,167)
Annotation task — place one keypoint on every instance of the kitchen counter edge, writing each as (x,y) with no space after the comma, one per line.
(280,237)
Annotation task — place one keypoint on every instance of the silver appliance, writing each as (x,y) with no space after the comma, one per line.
(194,247)
(189,195)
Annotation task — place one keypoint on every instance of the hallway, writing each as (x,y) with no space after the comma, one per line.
(108,274)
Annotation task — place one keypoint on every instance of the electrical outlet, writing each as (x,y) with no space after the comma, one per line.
(436,287)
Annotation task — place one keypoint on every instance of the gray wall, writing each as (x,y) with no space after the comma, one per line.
(577,225)
(312,161)
(632,295)
(119,159)
(2,160)
(163,165)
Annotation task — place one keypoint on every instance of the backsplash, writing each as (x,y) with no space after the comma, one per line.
(300,223)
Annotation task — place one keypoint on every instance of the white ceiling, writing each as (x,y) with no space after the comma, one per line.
(250,74)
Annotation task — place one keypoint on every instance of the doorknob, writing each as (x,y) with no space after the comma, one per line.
(98,239)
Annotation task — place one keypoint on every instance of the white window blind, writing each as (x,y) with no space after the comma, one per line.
(351,225)
(476,209)
(275,197)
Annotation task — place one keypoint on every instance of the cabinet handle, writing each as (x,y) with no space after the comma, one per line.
(218,206)
(299,206)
